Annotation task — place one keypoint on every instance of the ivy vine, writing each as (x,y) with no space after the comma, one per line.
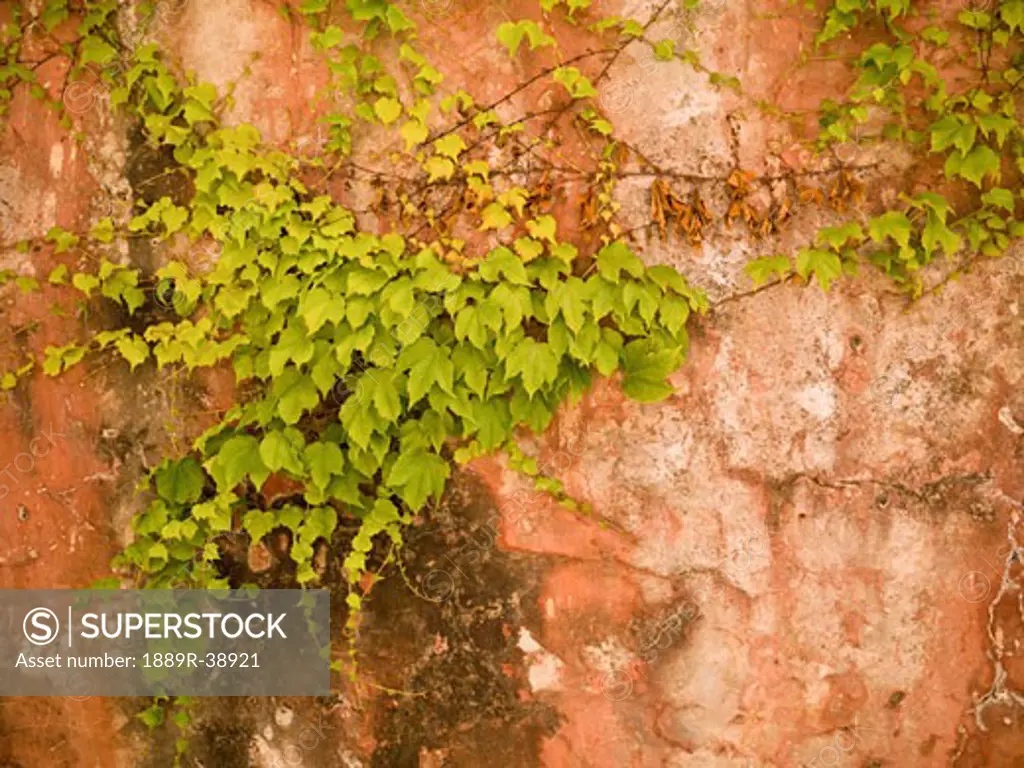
(369,361)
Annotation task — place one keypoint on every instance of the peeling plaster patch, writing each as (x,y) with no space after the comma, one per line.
(1007,420)
(545,672)
(49,215)
(26,210)
(729,400)
(667,454)
(284,716)
(545,669)
(819,400)
(705,681)
(609,656)
(349,760)
(263,755)
(526,642)
(56,159)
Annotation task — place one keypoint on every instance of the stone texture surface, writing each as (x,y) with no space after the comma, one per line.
(808,556)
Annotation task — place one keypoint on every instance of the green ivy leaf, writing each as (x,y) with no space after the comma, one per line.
(952,131)
(825,265)
(281,450)
(387,109)
(133,349)
(419,474)
(295,393)
(180,482)
(535,362)
(999,198)
(237,458)
(892,224)
(414,132)
(438,167)
(665,50)
(450,146)
(936,234)
(502,264)
(542,228)
(95,50)
(837,237)
(320,306)
(325,460)
(982,161)
(510,35)
(396,20)
(647,366)
(386,396)
(494,216)
(761,270)
(258,523)
(1012,13)
(616,258)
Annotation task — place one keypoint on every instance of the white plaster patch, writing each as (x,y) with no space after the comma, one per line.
(545,669)
(819,400)
(526,642)
(1007,420)
(609,656)
(57,159)
(284,716)
(545,673)
(262,755)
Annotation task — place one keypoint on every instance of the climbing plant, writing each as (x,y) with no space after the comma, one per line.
(373,354)
(903,95)
(367,363)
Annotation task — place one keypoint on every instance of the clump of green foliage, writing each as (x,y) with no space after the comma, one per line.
(369,363)
(902,95)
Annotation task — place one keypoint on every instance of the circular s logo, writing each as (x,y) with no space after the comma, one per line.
(41,626)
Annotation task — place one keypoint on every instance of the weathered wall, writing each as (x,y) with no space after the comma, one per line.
(811,551)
